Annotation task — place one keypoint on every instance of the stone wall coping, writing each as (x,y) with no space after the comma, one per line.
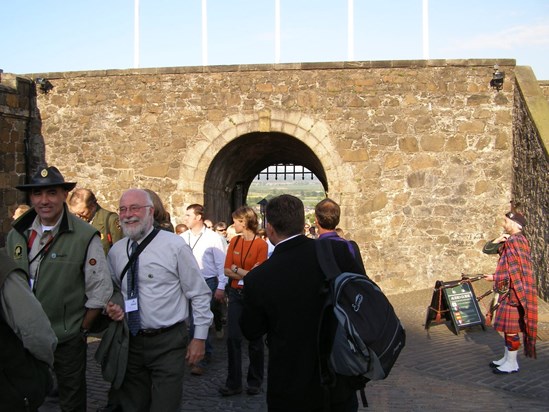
(381,64)
(535,102)
(8,82)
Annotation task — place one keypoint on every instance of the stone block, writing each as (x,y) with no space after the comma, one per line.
(432,142)
(408,144)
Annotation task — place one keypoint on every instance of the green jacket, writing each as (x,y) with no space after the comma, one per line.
(60,287)
(108,225)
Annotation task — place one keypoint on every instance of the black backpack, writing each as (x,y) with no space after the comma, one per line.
(24,380)
(368,335)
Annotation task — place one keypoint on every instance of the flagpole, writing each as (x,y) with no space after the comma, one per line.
(277,31)
(204,33)
(426,29)
(350,30)
(136,34)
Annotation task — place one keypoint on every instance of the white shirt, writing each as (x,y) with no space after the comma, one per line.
(209,251)
(169,278)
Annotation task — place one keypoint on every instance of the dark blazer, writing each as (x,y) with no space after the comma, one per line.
(283,299)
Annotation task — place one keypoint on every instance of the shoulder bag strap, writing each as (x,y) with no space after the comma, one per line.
(139,249)
(358,256)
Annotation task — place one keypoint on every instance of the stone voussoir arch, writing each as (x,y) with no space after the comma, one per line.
(314,133)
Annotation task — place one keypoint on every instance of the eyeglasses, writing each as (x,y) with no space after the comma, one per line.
(132,209)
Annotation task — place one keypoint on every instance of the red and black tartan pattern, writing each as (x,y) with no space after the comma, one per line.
(515,264)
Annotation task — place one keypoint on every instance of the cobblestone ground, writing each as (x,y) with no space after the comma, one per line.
(437,370)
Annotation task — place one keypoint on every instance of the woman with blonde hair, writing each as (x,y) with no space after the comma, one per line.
(245,252)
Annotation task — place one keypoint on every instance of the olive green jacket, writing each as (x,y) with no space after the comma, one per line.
(108,225)
(60,287)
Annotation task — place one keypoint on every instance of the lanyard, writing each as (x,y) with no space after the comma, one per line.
(42,251)
(192,247)
(242,261)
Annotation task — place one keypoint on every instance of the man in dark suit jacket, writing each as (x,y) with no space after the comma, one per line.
(283,299)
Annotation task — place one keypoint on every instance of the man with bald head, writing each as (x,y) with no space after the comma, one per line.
(157,289)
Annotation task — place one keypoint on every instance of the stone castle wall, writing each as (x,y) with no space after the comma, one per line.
(531,169)
(15,107)
(417,153)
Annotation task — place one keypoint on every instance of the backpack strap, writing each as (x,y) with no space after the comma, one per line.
(330,269)
(358,256)
(326,258)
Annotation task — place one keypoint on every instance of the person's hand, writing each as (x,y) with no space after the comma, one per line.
(114,311)
(489,278)
(195,351)
(502,238)
(219,295)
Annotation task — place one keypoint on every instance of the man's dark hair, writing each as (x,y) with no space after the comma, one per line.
(220,225)
(286,214)
(197,209)
(327,214)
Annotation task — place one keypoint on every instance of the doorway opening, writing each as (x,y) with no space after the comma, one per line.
(239,163)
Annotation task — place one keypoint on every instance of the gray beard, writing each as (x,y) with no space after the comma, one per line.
(135,233)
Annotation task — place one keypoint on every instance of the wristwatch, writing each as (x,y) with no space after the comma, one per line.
(235,269)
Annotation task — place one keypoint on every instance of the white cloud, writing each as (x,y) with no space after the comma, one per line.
(508,39)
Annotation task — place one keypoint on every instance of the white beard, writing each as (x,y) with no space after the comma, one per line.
(136,232)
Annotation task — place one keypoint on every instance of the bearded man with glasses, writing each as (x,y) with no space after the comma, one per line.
(161,281)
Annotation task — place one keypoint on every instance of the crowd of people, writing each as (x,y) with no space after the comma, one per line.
(71,266)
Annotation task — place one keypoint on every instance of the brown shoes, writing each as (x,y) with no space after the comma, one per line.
(225,391)
(197,370)
(253,390)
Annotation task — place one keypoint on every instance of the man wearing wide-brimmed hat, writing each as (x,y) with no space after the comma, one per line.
(69,275)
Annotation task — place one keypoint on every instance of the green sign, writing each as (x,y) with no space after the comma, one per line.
(463,305)
(454,302)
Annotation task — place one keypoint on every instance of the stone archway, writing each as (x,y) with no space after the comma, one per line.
(225,158)
(236,165)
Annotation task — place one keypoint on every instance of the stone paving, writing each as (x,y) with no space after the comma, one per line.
(437,370)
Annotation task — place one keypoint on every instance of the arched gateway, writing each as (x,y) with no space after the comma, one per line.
(238,153)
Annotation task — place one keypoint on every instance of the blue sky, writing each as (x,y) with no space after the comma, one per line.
(63,35)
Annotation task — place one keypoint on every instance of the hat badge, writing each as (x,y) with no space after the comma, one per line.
(44,173)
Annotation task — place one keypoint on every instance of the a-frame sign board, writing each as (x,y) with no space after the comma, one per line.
(455,302)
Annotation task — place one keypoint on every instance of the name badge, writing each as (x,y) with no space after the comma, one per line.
(131,305)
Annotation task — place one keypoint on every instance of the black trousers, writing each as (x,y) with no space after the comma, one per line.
(256,348)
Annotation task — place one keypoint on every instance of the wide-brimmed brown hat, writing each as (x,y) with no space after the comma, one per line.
(47,177)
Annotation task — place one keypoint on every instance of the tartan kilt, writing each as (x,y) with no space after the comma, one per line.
(509,319)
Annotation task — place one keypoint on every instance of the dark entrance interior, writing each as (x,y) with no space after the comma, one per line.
(234,168)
